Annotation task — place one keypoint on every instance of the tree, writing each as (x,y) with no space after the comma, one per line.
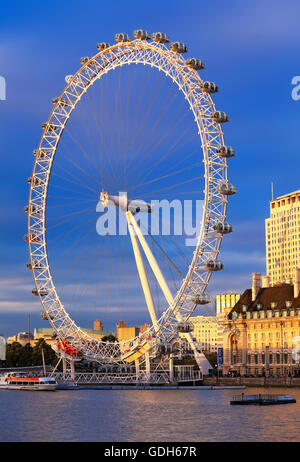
(109,338)
(22,356)
(13,354)
(25,357)
(49,354)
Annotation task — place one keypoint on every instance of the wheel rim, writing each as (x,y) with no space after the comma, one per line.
(215,204)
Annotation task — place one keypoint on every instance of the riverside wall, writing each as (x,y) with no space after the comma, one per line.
(253,381)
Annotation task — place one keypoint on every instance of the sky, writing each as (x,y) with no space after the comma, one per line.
(251,51)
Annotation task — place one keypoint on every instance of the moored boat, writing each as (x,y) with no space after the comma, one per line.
(262,400)
(21,381)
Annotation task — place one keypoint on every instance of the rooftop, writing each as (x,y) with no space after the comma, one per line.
(279,293)
(286,195)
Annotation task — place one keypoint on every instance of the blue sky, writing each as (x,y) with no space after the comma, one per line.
(251,50)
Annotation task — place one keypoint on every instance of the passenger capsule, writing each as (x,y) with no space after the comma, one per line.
(60,102)
(32,238)
(44,317)
(184,327)
(226,189)
(49,127)
(209,87)
(40,291)
(34,265)
(122,38)
(220,117)
(194,63)
(212,265)
(33,209)
(141,34)
(178,47)
(102,46)
(41,153)
(84,60)
(222,228)
(68,78)
(225,151)
(35,181)
(160,37)
(201,299)
(164,348)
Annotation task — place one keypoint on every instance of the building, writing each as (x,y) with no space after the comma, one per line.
(224,303)
(120,324)
(23,338)
(205,332)
(98,325)
(227,300)
(261,331)
(47,333)
(2,348)
(126,333)
(283,238)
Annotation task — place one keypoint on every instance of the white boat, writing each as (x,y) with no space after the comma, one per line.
(22,381)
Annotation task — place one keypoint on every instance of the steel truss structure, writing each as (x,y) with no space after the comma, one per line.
(188,81)
(159,378)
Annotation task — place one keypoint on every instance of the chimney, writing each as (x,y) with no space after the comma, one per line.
(297,282)
(265,281)
(255,285)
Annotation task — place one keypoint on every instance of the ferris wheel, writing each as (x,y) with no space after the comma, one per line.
(153,53)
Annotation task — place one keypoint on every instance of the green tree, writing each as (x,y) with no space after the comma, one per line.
(49,354)
(25,357)
(22,356)
(109,338)
(13,354)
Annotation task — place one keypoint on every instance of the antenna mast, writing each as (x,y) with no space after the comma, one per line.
(272,190)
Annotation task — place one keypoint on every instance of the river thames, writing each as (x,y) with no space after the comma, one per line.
(145,415)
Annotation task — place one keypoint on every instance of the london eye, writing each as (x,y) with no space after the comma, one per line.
(134,125)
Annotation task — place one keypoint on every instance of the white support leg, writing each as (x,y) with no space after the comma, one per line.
(147,362)
(141,271)
(72,365)
(152,262)
(68,368)
(163,285)
(137,369)
(171,368)
(65,369)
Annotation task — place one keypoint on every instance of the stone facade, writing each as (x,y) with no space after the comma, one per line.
(261,332)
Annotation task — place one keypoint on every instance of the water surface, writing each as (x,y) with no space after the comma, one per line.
(145,415)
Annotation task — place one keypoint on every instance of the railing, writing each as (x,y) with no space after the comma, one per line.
(157,377)
(110,378)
